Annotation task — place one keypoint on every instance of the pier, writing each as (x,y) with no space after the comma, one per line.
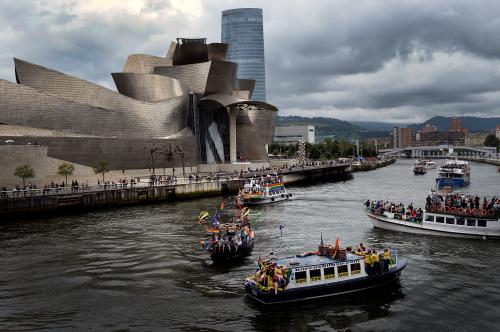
(29,202)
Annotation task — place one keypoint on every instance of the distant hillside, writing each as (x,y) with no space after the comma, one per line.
(378,126)
(328,127)
(474,124)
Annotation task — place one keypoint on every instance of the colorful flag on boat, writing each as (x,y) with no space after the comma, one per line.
(336,248)
(203,215)
(222,205)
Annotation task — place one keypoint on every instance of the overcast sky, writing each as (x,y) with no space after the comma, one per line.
(391,60)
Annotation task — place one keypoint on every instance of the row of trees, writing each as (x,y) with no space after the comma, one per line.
(326,150)
(65,169)
(492,140)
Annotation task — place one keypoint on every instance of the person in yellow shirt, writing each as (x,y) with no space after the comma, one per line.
(368,264)
(387,259)
(375,262)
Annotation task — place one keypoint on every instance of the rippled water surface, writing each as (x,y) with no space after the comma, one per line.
(140,268)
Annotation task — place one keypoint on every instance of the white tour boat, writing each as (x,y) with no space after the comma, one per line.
(453,173)
(263,190)
(452,222)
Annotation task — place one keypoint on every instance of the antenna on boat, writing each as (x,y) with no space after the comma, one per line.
(321,239)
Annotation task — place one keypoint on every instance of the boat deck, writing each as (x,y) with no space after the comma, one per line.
(312,259)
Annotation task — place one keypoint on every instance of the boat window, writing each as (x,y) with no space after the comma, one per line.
(440,219)
(471,222)
(329,272)
(461,221)
(450,221)
(429,218)
(342,270)
(300,277)
(315,275)
(355,268)
(481,223)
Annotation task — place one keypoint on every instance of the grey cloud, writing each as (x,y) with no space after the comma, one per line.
(314,50)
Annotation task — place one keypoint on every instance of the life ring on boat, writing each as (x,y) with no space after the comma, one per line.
(433,208)
(440,209)
(491,212)
(447,208)
(453,210)
(272,199)
(460,211)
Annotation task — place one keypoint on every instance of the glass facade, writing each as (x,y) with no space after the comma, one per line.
(243,30)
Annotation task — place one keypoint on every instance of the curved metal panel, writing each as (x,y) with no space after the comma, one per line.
(148,87)
(246,85)
(254,129)
(157,119)
(221,78)
(23,106)
(217,51)
(193,76)
(186,54)
(144,64)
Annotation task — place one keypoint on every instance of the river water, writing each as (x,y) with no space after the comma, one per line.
(141,268)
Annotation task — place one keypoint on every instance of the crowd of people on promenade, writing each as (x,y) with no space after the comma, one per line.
(462,203)
(409,213)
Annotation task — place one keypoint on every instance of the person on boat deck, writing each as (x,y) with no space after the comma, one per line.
(368,264)
(485,203)
(375,262)
(387,259)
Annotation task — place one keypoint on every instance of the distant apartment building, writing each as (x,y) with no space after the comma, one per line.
(497,132)
(292,134)
(440,138)
(429,129)
(401,137)
(456,126)
(475,139)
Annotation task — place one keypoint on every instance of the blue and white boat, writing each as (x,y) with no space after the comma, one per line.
(453,173)
(316,275)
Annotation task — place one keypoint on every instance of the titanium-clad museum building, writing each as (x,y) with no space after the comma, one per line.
(190,100)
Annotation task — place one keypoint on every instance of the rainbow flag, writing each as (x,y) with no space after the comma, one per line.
(276,186)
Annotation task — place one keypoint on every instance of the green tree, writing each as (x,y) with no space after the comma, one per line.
(491,140)
(24,172)
(102,167)
(66,169)
(314,152)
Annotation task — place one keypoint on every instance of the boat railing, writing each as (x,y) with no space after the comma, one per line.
(461,212)
(393,215)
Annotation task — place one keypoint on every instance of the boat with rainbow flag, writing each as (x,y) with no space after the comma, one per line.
(263,190)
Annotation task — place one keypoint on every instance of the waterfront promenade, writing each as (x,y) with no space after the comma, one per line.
(149,190)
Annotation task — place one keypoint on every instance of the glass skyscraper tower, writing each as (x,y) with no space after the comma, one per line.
(242,29)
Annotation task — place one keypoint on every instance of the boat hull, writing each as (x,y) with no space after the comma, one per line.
(328,289)
(232,254)
(416,228)
(267,200)
(452,182)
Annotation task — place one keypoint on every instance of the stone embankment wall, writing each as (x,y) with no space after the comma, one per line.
(372,165)
(82,201)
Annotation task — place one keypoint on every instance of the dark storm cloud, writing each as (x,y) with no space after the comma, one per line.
(393,60)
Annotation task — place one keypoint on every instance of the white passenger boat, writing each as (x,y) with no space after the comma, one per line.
(452,222)
(264,190)
(426,163)
(316,275)
(453,173)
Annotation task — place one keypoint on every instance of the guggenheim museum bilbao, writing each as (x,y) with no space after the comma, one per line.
(189,100)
